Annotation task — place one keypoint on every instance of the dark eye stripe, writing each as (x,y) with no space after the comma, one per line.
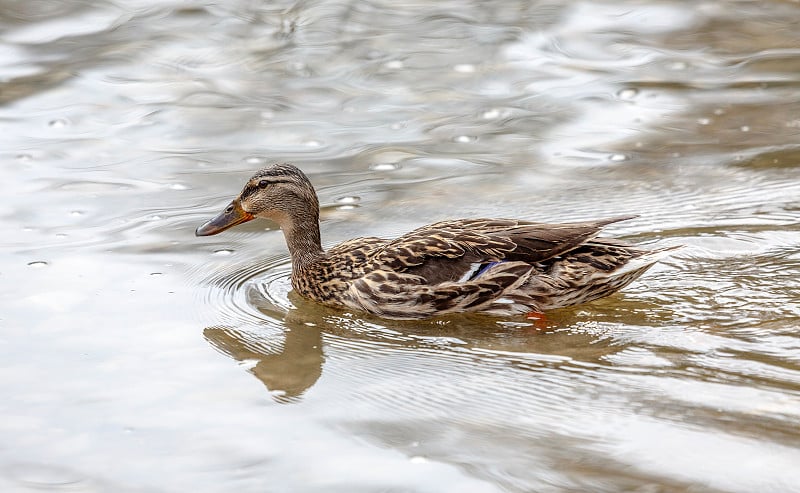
(269,181)
(251,189)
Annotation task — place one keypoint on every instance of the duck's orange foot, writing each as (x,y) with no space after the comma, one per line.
(536,316)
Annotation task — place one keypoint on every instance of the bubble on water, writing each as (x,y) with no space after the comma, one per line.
(28,229)
(24,158)
(224,252)
(154,217)
(38,264)
(464,68)
(491,114)
(703,121)
(618,157)
(256,160)
(744,128)
(464,139)
(348,199)
(628,93)
(418,459)
(384,166)
(348,202)
(398,126)
(58,123)
(678,66)
(178,186)
(76,213)
(394,64)
(312,143)
(719,111)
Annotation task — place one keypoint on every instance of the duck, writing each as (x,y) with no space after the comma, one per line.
(495,267)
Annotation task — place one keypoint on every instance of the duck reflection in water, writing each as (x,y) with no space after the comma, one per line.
(287,370)
(288,350)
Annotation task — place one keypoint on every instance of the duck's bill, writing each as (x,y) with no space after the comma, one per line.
(228,218)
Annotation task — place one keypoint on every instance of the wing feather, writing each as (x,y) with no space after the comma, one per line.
(448,250)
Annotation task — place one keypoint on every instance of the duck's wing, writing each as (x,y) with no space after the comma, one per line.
(459,266)
(453,251)
(407,296)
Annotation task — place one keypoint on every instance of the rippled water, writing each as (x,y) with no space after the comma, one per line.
(128,347)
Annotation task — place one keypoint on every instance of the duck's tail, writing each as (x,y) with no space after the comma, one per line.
(582,278)
(641,263)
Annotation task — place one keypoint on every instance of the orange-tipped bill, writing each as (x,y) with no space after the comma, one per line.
(231,216)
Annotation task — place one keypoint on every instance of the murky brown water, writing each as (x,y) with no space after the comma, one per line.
(128,347)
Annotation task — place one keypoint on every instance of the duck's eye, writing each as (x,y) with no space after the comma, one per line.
(263,184)
(229,209)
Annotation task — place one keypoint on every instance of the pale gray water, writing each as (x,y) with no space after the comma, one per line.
(128,347)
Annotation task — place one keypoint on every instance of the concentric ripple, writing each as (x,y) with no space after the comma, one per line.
(242,293)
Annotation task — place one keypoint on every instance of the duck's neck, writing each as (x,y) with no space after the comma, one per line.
(303,241)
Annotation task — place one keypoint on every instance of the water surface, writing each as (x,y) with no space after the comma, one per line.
(138,358)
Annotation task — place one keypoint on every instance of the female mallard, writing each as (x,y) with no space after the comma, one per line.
(498,267)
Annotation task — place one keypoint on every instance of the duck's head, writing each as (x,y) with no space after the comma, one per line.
(281,193)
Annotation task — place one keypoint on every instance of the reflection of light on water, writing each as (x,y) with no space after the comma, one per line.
(351,199)
(256,160)
(384,166)
(348,202)
(628,93)
(59,123)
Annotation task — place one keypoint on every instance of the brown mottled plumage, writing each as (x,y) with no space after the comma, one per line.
(494,266)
